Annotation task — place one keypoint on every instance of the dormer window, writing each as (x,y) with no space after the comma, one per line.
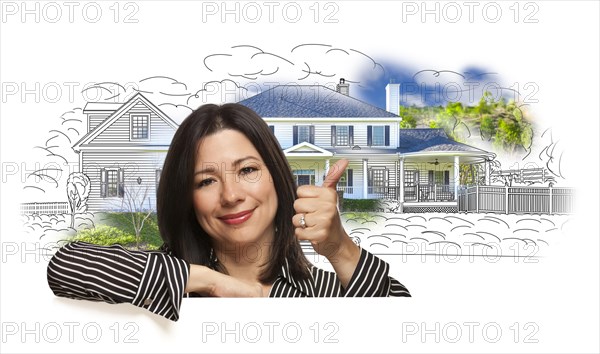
(140,127)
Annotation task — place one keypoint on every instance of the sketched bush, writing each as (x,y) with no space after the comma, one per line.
(78,190)
(105,235)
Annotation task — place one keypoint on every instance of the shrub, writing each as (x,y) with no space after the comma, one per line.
(361,205)
(105,235)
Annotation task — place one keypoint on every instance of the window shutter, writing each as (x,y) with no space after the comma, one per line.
(103,182)
(350,178)
(121,183)
(387,135)
(430,179)
(333,137)
(311,138)
(295,141)
(369,135)
(351,135)
(272,127)
(447,178)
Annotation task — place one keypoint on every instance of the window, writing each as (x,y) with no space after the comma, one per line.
(140,126)
(304,177)
(410,177)
(304,133)
(112,182)
(378,135)
(378,179)
(342,135)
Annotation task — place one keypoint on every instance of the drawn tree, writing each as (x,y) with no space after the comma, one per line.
(78,190)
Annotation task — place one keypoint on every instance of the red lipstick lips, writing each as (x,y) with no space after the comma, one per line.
(238,218)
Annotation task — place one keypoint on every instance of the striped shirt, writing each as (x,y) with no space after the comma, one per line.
(155,280)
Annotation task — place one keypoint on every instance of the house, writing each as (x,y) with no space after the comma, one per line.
(125,146)
(123,152)
(315,124)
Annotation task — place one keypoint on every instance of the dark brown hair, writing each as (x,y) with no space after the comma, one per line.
(177,221)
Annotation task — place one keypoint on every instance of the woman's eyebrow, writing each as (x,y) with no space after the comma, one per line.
(211,167)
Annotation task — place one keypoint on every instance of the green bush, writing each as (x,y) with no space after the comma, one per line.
(361,205)
(105,235)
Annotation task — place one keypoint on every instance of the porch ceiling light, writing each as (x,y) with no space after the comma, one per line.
(356,147)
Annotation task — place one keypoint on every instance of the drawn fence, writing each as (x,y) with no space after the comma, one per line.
(516,200)
(49,208)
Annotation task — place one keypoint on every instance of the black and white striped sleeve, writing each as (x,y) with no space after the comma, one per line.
(370,278)
(151,280)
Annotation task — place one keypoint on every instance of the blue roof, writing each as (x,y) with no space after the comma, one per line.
(311,101)
(427,139)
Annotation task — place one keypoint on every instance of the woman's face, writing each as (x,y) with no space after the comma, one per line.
(234,197)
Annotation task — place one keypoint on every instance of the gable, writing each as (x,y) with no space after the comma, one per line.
(154,128)
(306,149)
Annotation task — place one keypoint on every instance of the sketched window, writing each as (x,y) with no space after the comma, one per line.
(140,127)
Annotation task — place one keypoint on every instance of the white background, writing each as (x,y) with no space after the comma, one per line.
(556,298)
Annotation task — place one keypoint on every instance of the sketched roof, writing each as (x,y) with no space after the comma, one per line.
(101,107)
(311,101)
(120,110)
(431,140)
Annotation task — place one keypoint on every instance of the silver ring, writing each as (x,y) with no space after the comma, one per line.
(302,221)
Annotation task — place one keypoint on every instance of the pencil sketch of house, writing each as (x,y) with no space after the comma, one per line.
(124,149)
(125,145)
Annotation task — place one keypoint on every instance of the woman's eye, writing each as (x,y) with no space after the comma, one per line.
(204,183)
(248,170)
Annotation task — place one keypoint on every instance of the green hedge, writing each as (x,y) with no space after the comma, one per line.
(361,205)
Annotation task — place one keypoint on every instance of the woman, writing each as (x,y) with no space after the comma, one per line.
(230,218)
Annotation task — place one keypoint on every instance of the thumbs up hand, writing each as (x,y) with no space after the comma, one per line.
(317,219)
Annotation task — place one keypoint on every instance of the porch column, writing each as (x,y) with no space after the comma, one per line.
(365,179)
(456,176)
(487,172)
(326,168)
(401,192)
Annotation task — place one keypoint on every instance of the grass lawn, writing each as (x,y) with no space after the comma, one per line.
(118,228)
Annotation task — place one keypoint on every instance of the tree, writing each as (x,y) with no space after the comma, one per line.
(78,190)
(134,198)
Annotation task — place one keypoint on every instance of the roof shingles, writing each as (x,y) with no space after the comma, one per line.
(311,101)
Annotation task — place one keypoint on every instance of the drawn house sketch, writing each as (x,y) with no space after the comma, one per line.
(124,148)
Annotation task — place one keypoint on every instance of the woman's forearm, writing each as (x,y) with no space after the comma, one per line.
(206,281)
(344,261)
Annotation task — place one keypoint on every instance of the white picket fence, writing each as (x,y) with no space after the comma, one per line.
(48,208)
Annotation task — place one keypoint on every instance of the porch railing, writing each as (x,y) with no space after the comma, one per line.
(429,193)
(412,193)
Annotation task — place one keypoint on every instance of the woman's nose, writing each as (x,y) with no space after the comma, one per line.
(232,191)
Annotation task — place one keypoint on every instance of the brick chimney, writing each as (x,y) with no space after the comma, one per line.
(343,87)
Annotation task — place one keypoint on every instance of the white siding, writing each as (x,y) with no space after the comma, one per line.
(135,164)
